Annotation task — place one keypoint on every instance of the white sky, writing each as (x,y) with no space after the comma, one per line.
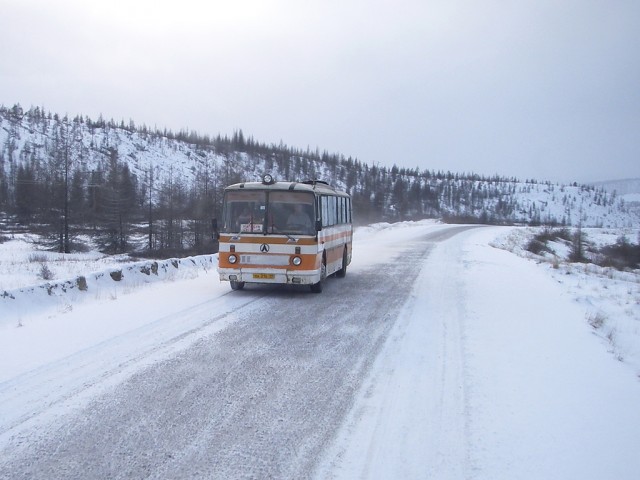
(546,89)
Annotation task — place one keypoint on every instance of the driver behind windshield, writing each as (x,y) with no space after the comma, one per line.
(298,219)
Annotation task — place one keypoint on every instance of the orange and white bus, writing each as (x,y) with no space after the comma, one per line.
(294,233)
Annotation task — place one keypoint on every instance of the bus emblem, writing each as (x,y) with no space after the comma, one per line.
(264,248)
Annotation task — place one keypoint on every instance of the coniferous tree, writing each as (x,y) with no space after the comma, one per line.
(78,198)
(25,193)
(117,199)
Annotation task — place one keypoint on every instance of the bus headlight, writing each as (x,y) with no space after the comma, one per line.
(232,259)
(296,261)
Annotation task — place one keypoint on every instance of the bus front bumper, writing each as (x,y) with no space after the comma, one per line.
(270,275)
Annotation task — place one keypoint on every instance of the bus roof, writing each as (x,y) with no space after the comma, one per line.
(312,186)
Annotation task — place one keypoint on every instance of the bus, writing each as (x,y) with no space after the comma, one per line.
(294,233)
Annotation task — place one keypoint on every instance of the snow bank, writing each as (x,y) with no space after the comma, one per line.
(20,303)
(610,298)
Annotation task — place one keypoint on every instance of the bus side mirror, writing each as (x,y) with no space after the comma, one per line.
(214,227)
(318,225)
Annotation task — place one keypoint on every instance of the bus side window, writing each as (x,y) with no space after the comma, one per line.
(324,208)
(334,207)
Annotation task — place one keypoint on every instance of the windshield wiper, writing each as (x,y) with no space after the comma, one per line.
(274,228)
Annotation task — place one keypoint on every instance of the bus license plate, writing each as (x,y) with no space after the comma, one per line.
(264,276)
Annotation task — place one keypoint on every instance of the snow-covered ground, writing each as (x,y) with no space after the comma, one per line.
(22,261)
(512,384)
(610,298)
(499,365)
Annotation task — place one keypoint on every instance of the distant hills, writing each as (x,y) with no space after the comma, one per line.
(621,187)
(132,188)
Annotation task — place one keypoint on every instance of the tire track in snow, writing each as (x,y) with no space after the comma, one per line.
(409,420)
(31,398)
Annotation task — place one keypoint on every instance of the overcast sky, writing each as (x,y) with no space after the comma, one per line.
(545,89)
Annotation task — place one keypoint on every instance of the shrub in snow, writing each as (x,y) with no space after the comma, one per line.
(621,255)
(577,247)
(37,258)
(81,283)
(596,320)
(539,244)
(45,272)
(536,247)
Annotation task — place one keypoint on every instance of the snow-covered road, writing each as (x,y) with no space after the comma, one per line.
(490,372)
(436,357)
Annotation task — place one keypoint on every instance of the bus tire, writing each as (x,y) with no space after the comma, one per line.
(317,287)
(235,285)
(343,271)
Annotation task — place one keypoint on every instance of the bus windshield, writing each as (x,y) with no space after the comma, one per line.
(277,212)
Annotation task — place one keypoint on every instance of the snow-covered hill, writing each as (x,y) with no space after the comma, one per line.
(201,166)
(627,190)
(36,137)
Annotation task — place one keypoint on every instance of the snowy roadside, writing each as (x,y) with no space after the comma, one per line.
(491,372)
(546,399)
(610,298)
(24,262)
(42,323)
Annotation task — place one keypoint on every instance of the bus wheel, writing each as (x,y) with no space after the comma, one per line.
(317,287)
(235,285)
(343,271)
